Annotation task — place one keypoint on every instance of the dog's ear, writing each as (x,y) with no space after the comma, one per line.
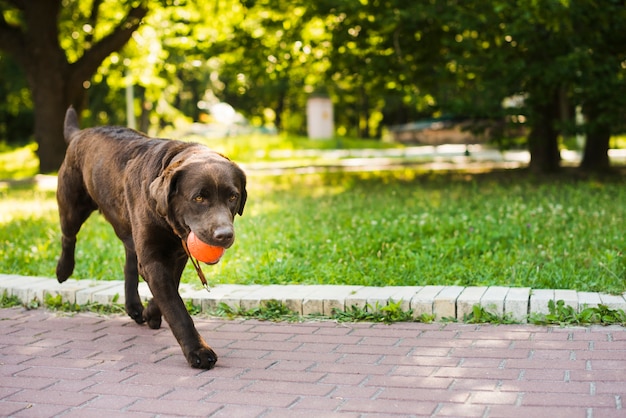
(244,194)
(162,188)
(160,193)
(242,202)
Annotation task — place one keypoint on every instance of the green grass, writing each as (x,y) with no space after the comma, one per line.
(18,162)
(387,228)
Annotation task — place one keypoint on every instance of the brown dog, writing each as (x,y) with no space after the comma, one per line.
(153,192)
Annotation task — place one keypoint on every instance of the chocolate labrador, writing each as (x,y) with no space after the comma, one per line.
(154,192)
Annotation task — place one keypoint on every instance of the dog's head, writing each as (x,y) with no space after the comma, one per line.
(201,191)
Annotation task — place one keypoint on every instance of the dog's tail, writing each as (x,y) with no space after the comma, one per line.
(71,124)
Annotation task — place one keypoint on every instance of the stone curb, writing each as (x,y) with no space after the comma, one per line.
(440,301)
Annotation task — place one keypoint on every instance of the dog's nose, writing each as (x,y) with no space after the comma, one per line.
(224,235)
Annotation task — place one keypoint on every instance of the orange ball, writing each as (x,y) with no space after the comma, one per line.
(202,251)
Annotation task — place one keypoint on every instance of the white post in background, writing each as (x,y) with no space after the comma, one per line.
(130,102)
(580,121)
(320,117)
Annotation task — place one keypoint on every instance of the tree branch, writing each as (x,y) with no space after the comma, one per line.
(93,19)
(11,39)
(19,4)
(87,65)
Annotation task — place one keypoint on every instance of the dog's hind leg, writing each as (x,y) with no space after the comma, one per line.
(75,206)
(134,307)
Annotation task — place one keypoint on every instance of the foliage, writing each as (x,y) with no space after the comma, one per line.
(561,314)
(480,315)
(7,301)
(56,303)
(389,313)
(193,309)
(382,62)
(270,310)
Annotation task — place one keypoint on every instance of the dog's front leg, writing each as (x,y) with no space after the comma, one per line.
(164,288)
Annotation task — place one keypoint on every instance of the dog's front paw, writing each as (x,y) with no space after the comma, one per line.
(152,315)
(135,311)
(202,358)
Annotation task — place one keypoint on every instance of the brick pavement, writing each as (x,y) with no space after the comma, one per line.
(86,365)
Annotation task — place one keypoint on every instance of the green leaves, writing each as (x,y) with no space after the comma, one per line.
(561,314)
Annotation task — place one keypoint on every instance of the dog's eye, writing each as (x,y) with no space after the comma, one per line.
(198,198)
(232,198)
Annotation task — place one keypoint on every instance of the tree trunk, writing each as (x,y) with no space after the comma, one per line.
(596,153)
(54,82)
(543,138)
(46,70)
(50,105)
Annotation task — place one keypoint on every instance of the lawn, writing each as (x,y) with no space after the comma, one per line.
(376,229)
(401,227)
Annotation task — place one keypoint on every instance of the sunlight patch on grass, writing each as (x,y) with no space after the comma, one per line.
(18,163)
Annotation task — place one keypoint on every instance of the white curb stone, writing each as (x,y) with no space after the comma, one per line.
(232,295)
(404,295)
(588,300)
(294,297)
(493,299)
(423,301)
(539,299)
(85,295)
(569,297)
(516,303)
(444,305)
(24,288)
(469,297)
(441,301)
(325,298)
(67,289)
(613,301)
(369,295)
(262,294)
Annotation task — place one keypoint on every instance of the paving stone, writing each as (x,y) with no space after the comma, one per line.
(309,369)
(264,294)
(233,297)
(613,301)
(539,299)
(22,286)
(403,295)
(469,297)
(493,299)
(569,297)
(444,304)
(210,299)
(117,294)
(67,289)
(294,299)
(325,298)
(588,300)
(422,302)
(85,294)
(369,295)
(516,303)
